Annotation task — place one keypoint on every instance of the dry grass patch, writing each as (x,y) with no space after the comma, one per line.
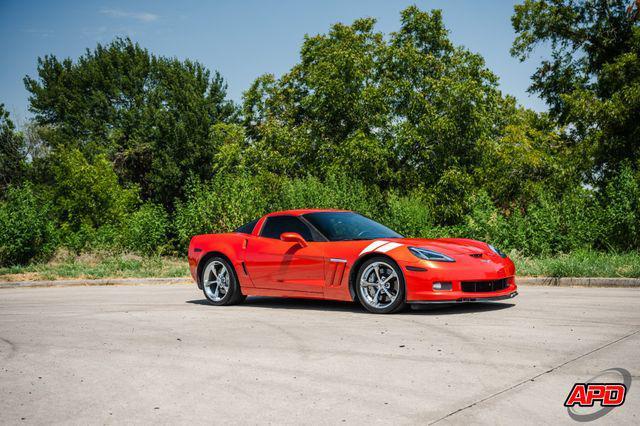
(65,265)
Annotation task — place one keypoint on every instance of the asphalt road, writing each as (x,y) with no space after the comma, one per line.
(142,354)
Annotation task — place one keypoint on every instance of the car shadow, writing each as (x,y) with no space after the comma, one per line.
(459,308)
(331,305)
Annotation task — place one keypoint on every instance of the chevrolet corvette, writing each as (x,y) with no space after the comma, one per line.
(342,255)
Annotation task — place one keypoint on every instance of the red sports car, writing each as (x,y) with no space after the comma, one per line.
(341,255)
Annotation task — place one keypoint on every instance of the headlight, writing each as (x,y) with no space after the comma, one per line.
(497,251)
(430,255)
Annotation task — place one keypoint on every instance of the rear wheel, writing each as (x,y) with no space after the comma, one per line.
(220,283)
(381,286)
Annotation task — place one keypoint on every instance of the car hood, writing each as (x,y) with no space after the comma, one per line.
(448,246)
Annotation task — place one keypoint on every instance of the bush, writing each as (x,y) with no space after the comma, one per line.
(228,201)
(87,195)
(26,230)
(580,263)
(223,204)
(411,216)
(145,231)
(621,211)
(450,197)
(550,224)
(106,238)
(76,238)
(485,222)
(334,192)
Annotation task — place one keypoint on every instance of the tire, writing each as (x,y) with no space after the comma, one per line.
(220,282)
(380,279)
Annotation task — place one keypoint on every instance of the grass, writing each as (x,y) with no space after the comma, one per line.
(98,265)
(105,265)
(580,264)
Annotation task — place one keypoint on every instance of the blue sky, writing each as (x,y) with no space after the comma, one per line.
(241,39)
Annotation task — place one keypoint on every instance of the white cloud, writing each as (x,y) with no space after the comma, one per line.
(138,16)
(40,32)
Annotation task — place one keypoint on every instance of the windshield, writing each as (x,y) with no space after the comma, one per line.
(348,226)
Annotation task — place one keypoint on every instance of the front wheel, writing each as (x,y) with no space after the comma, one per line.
(220,283)
(380,285)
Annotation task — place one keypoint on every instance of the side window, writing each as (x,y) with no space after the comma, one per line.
(276,225)
(247,228)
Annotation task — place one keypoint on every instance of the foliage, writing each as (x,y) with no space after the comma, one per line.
(621,204)
(103,265)
(134,152)
(550,224)
(98,264)
(26,229)
(409,215)
(87,193)
(12,153)
(334,192)
(145,230)
(149,115)
(526,156)
(580,263)
(401,111)
(592,79)
(222,204)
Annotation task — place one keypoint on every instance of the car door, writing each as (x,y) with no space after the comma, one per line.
(280,265)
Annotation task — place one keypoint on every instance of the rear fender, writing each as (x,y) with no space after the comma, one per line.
(230,246)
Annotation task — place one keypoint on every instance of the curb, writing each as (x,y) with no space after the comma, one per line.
(532,281)
(87,282)
(579,282)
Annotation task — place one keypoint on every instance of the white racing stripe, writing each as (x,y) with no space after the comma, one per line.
(387,247)
(374,245)
(380,246)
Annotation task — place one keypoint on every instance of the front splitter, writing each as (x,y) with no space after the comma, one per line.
(467,299)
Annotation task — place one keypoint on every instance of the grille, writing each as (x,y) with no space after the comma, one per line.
(484,286)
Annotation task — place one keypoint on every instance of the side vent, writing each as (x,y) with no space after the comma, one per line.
(244,268)
(337,267)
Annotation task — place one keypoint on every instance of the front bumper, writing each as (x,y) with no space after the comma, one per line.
(463,275)
(467,299)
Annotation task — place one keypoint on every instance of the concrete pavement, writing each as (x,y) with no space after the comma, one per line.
(142,354)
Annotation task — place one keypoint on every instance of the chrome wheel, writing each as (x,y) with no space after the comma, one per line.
(216,281)
(379,285)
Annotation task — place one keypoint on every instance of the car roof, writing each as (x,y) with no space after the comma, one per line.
(293,212)
(298,212)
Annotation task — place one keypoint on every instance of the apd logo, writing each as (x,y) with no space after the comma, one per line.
(607,395)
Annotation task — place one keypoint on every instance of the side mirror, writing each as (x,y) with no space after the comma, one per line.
(293,237)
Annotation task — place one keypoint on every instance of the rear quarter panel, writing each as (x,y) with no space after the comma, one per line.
(230,245)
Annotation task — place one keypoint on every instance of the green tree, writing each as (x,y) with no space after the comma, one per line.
(591,80)
(149,115)
(12,153)
(410,110)
(525,157)
(86,194)
(445,101)
(332,94)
